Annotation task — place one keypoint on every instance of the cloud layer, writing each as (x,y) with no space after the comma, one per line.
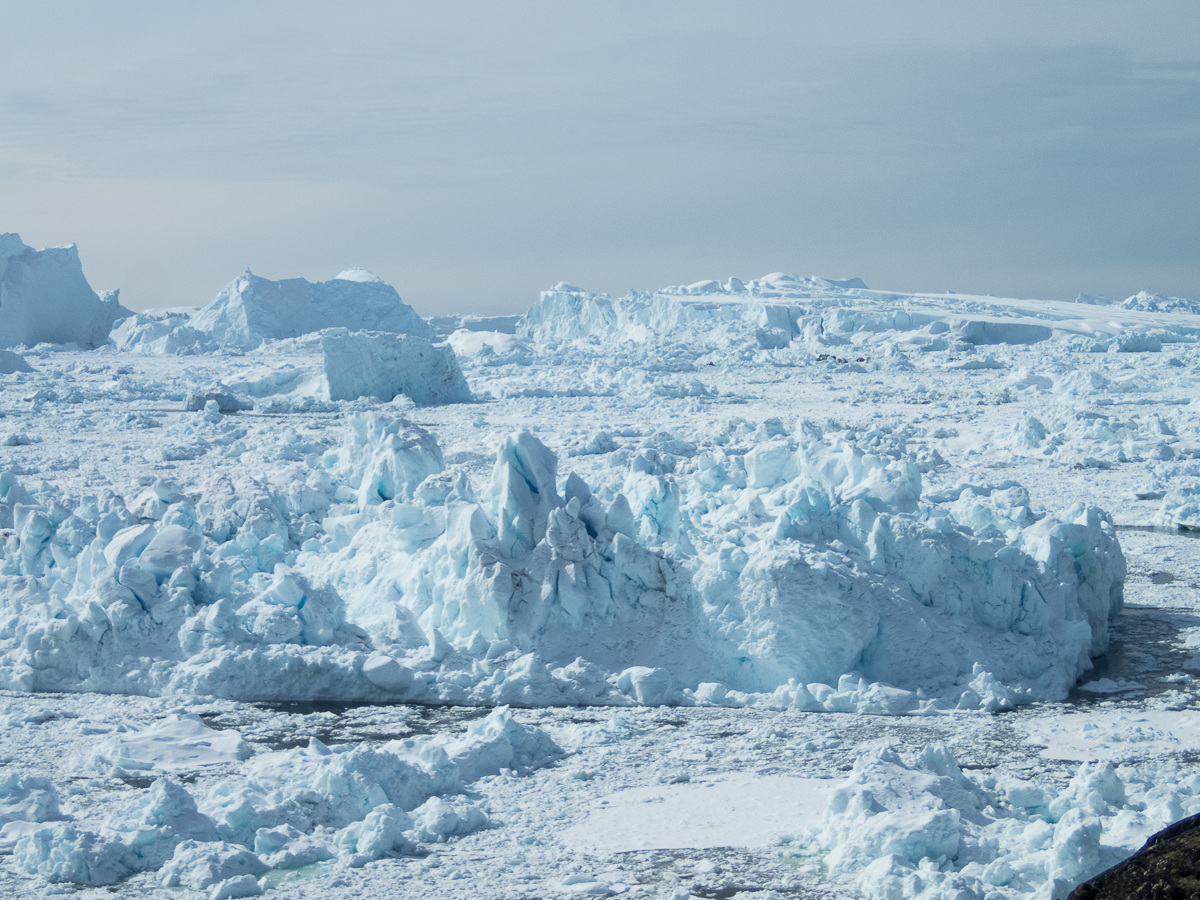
(475,154)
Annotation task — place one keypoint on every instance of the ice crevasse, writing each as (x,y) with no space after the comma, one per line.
(805,573)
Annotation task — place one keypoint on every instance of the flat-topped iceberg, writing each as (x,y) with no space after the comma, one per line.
(777,309)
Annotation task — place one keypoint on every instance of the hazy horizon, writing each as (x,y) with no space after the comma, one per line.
(474,155)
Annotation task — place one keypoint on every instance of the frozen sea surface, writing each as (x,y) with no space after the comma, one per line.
(335,730)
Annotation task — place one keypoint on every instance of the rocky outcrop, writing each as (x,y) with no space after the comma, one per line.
(1166,868)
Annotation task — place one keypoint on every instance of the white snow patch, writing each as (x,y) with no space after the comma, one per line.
(739,811)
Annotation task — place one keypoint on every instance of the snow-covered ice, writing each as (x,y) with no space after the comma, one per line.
(781,585)
(739,811)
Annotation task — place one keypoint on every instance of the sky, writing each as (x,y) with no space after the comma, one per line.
(472,154)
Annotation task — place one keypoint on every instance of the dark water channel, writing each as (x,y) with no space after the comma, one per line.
(1146,645)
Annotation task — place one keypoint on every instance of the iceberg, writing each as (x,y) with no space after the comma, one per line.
(778,309)
(45,298)
(251,310)
(383,366)
(806,571)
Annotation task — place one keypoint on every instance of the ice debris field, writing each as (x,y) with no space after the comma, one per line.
(776,588)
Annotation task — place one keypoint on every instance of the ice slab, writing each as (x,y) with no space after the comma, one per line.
(13,362)
(180,743)
(383,366)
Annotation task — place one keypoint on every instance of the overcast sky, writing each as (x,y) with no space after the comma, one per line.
(472,154)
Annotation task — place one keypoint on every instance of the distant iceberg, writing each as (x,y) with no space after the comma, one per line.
(251,310)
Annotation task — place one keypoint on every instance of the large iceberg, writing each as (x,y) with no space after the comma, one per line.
(808,572)
(44,298)
(251,310)
(362,339)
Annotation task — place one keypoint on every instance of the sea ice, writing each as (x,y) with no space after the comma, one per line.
(784,497)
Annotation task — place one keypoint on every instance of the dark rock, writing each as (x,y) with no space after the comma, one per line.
(1166,868)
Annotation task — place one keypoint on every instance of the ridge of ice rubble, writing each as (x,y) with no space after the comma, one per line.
(804,573)
(922,828)
(282,810)
(45,298)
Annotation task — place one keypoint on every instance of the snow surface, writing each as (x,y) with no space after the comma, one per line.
(759,503)
(745,811)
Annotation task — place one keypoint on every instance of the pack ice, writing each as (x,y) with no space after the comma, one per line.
(783,496)
(282,810)
(805,571)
